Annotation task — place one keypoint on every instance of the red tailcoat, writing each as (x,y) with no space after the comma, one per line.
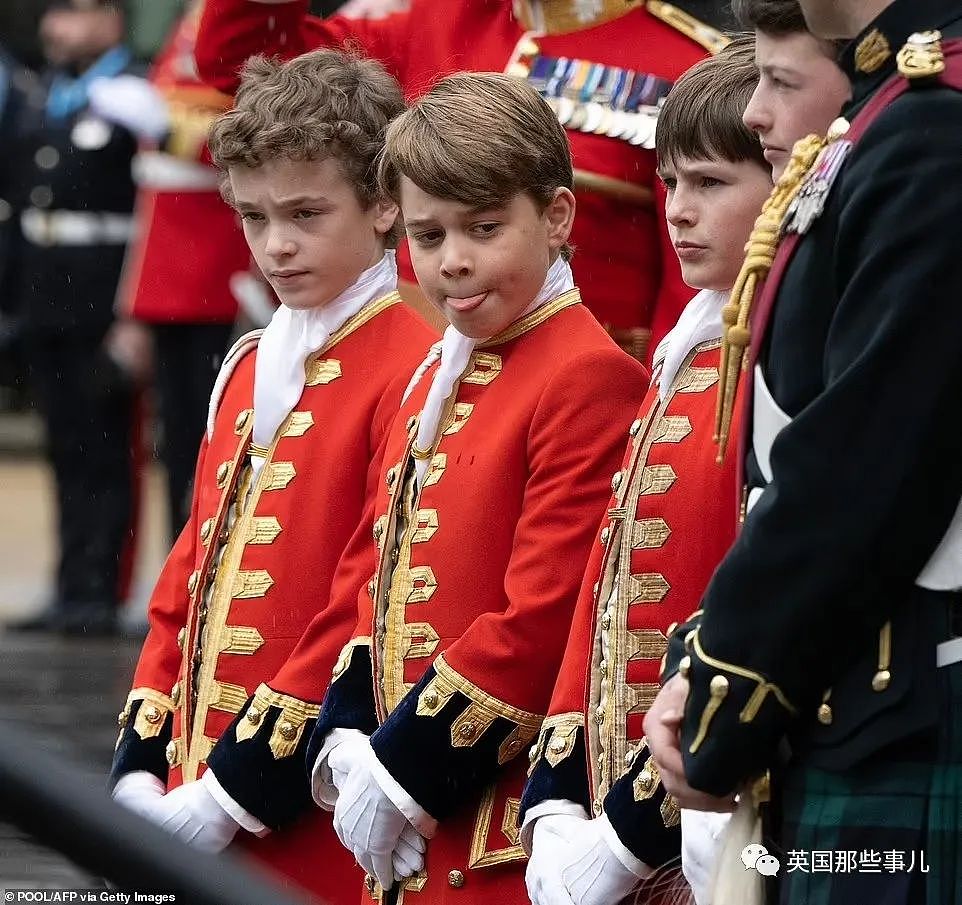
(222,668)
(623,250)
(670,520)
(189,241)
(476,581)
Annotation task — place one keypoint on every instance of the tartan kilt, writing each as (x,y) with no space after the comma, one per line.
(900,813)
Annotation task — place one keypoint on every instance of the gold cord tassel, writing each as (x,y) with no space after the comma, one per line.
(759,257)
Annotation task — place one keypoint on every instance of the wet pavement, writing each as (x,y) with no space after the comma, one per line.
(66,692)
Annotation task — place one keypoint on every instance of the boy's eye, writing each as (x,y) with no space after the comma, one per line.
(486,229)
(429,237)
(251,216)
(305,214)
(708,182)
(669,182)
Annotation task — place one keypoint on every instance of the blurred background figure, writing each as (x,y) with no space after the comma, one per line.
(72,189)
(175,289)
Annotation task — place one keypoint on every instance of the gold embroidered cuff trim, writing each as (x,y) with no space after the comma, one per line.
(152,714)
(480,713)
(536,318)
(288,729)
(670,812)
(557,738)
(647,781)
(344,658)
(750,711)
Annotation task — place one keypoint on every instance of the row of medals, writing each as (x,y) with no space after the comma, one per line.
(598,104)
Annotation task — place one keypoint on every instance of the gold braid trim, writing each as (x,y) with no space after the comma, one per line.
(759,257)
(556,740)
(151,717)
(290,723)
(481,712)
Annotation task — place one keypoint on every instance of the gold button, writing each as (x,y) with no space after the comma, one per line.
(288,731)
(431,700)
(222,471)
(253,716)
(122,718)
(605,534)
(371,589)
(171,752)
(557,745)
(240,422)
(616,480)
(596,807)
(645,780)
(825,715)
(455,879)
(182,637)
(467,730)
(175,693)
(603,667)
(391,476)
(684,666)
(206,530)
(718,685)
(600,714)
(606,620)
(881,680)
(635,428)
(192,582)
(378,531)
(152,715)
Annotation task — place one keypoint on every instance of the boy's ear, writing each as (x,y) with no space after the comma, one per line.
(385,213)
(560,214)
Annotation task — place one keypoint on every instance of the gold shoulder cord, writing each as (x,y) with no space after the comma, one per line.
(759,257)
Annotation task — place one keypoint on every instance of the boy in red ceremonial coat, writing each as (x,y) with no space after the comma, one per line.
(671,518)
(296,425)
(603,65)
(495,474)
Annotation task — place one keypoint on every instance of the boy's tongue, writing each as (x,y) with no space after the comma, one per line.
(468,304)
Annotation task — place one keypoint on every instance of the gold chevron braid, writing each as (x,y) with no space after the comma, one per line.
(759,257)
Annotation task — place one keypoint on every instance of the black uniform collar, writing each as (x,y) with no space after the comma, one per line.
(870,59)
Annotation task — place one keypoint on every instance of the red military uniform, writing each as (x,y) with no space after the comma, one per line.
(670,520)
(189,242)
(623,250)
(217,678)
(466,615)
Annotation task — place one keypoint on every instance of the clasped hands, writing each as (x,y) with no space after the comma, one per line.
(366,819)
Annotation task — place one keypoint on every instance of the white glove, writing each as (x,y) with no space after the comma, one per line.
(138,791)
(408,856)
(366,821)
(700,846)
(596,867)
(132,103)
(192,815)
(549,850)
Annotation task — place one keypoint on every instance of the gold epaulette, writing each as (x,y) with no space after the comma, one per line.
(759,257)
(700,32)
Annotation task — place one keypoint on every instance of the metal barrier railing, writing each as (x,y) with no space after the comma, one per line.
(55,802)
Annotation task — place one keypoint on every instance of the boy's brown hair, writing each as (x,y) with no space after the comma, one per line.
(478,139)
(774,17)
(702,115)
(319,105)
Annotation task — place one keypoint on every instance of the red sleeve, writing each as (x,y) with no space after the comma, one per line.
(233,30)
(576,443)
(159,663)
